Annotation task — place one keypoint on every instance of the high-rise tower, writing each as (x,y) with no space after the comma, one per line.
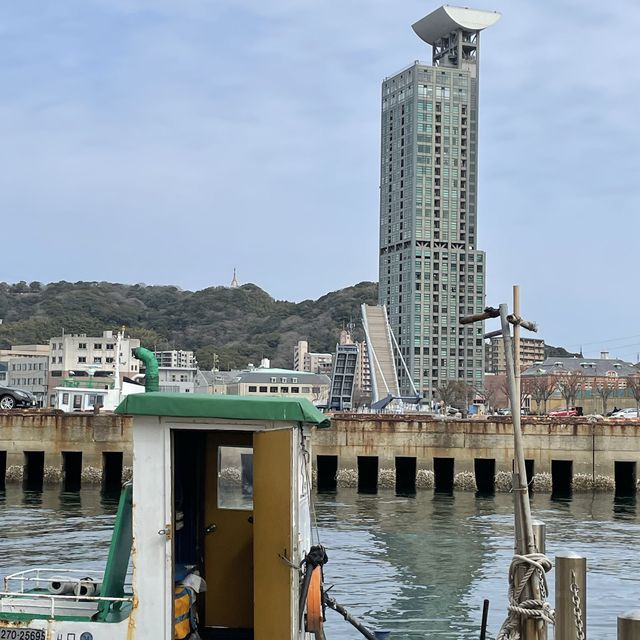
(431,272)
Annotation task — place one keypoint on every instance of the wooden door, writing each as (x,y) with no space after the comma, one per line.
(273,535)
(228,535)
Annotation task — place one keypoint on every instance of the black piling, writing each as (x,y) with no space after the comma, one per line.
(561,478)
(367,474)
(71,470)
(327,469)
(625,475)
(485,472)
(3,470)
(33,475)
(530,466)
(111,471)
(443,472)
(406,475)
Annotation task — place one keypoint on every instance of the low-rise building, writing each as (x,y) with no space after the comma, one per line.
(26,367)
(280,382)
(30,374)
(214,382)
(595,384)
(177,379)
(80,355)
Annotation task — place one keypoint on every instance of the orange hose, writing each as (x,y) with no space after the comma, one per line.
(314,602)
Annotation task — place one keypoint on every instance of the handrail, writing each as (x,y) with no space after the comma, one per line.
(53,598)
(63,597)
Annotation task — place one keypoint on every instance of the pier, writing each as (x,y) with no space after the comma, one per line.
(369,451)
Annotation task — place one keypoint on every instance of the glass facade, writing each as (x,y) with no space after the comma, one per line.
(431,273)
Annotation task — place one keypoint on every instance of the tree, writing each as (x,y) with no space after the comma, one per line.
(523,390)
(488,393)
(633,384)
(541,389)
(456,393)
(569,384)
(604,387)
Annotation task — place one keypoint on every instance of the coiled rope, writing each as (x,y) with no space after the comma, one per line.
(533,566)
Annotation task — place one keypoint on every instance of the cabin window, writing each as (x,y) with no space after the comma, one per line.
(252,389)
(77,402)
(235,478)
(263,389)
(65,398)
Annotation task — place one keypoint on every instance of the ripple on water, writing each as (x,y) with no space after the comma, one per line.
(418,566)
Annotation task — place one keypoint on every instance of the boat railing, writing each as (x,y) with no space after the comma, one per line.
(22,584)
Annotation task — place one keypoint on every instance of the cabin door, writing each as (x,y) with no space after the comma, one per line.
(228,530)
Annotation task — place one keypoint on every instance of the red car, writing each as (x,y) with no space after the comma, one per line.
(563,413)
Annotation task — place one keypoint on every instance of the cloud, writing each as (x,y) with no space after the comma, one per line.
(244,133)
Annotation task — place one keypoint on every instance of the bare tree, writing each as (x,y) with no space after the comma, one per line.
(604,388)
(541,389)
(455,393)
(504,385)
(569,384)
(633,384)
(488,394)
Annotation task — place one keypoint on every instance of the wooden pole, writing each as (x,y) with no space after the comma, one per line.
(516,347)
(524,537)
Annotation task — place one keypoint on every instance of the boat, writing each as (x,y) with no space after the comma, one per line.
(212,540)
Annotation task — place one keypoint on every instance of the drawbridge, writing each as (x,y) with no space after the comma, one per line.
(383,348)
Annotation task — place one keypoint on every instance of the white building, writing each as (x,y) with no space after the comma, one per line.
(79,355)
(177,379)
(176,359)
(304,360)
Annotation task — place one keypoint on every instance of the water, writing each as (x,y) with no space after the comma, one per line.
(417,566)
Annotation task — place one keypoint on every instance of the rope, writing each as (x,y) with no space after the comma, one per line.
(533,566)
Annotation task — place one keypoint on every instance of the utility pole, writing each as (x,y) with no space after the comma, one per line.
(531,628)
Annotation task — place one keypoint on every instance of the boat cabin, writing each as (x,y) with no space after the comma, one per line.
(221,522)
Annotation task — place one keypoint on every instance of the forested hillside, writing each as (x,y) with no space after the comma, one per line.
(239,325)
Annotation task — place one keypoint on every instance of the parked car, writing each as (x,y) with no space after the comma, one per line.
(11,398)
(503,412)
(563,413)
(629,412)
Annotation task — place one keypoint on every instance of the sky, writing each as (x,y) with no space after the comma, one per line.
(171,141)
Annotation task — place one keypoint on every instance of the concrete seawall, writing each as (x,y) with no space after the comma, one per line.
(46,446)
(566,452)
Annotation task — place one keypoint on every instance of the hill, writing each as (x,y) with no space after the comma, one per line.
(238,325)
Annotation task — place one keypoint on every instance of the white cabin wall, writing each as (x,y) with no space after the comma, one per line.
(151,551)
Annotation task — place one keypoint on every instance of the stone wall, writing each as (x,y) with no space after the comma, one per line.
(592,447)
(53,433)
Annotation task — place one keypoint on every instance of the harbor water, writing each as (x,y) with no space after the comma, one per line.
(418,566)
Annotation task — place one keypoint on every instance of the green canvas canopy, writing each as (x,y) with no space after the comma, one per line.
(202,405)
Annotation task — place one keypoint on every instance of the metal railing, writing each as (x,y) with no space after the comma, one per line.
(18,585)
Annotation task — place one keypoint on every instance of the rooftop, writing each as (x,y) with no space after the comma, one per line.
(200,405)
(447,18)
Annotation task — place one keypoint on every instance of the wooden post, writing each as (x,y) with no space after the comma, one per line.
(531,630)
(516,347)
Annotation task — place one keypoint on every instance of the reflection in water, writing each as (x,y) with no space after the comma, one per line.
(419,566)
